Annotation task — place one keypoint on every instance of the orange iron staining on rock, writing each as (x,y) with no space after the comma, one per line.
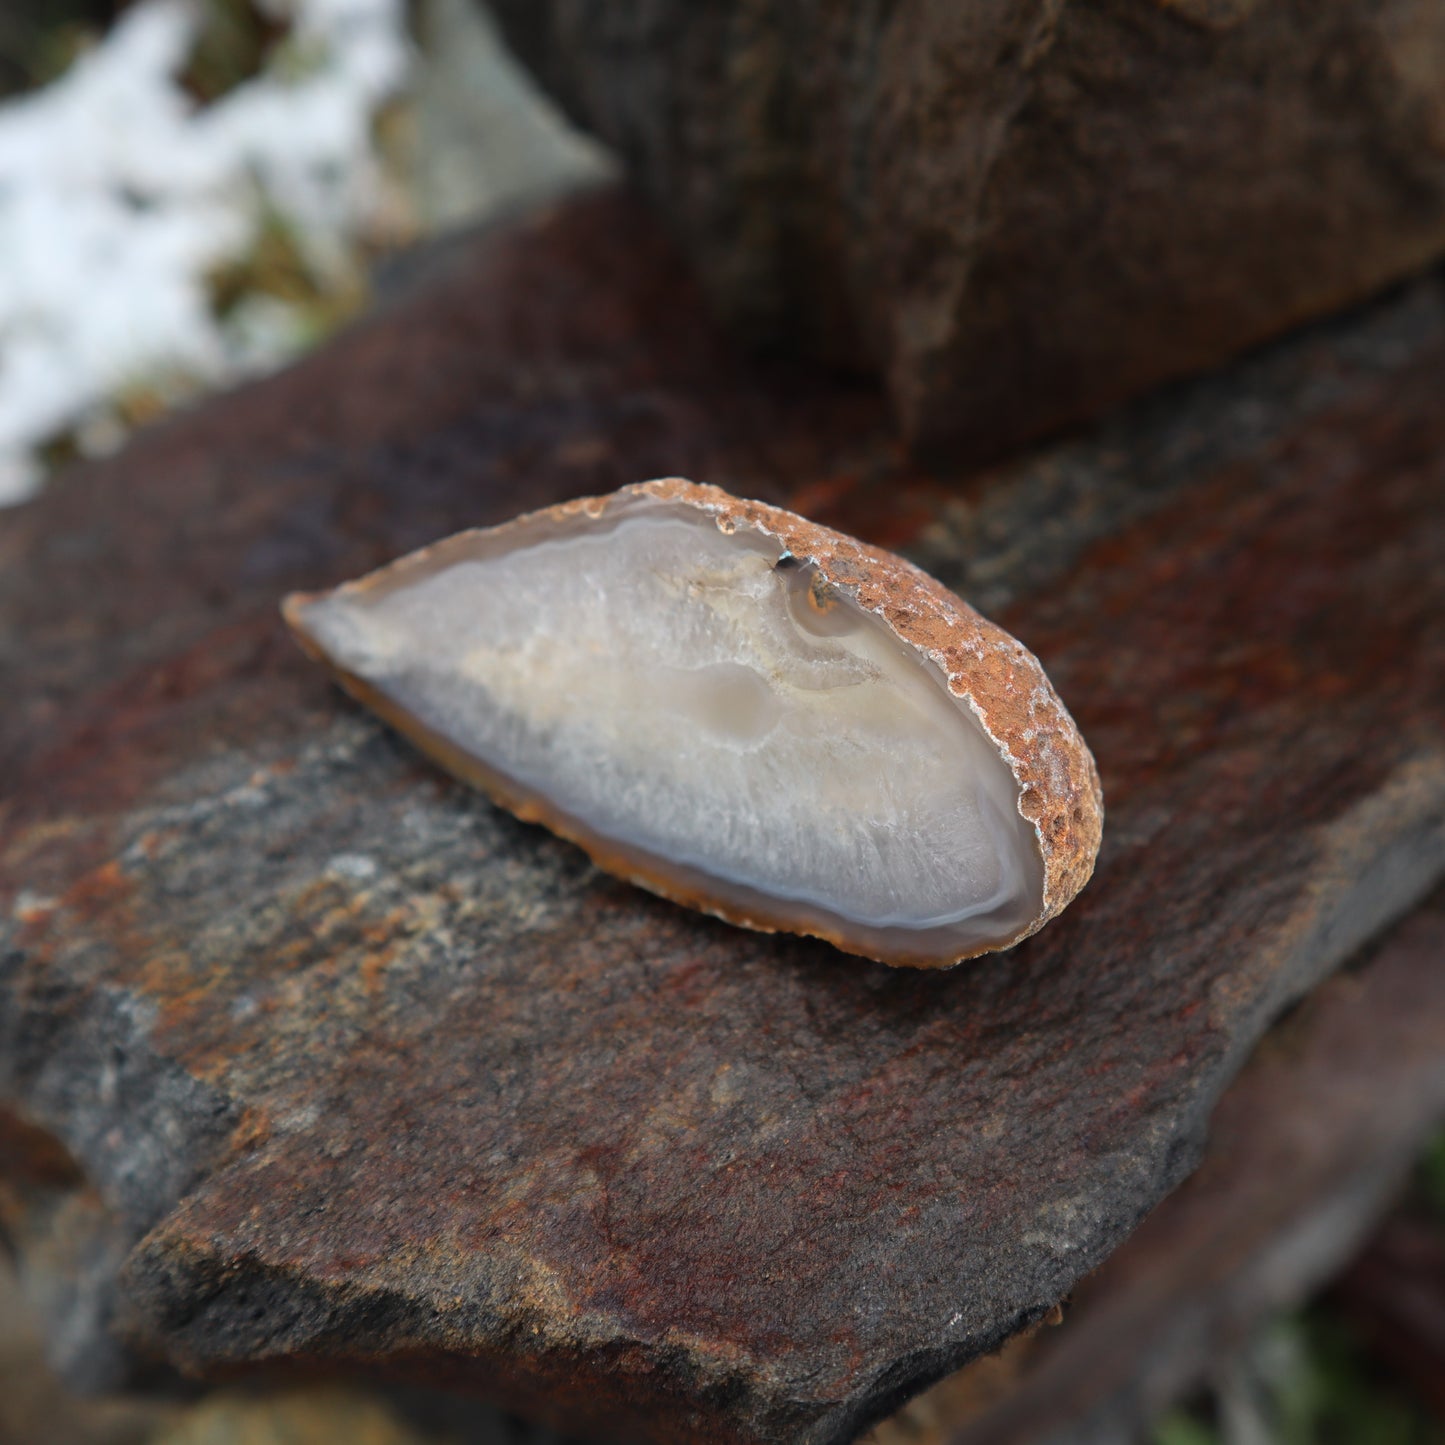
(739,710)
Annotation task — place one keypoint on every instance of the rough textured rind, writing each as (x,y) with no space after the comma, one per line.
(1018,211)
(1059,791)
(487,1118)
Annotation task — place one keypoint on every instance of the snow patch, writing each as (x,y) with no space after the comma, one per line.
(119,195)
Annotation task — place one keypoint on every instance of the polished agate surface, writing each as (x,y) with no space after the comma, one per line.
(713,712)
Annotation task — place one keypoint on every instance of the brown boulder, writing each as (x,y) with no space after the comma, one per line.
(1020,213)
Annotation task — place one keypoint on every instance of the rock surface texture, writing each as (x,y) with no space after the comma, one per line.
(1306,1150)
(1019,212)
(319,1062)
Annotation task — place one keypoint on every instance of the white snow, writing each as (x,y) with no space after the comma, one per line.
(119,195)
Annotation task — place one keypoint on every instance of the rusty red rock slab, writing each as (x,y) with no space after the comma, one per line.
(1306,1149)
(375,1078)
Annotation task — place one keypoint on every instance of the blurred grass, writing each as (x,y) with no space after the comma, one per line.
(1308,1377)
(1179,1427)
(276,267)
(1340,1397)
(1430,1179)
(1312,1384)
(39,39)
(235,42)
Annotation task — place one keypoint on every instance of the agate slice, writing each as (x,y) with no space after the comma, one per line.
(739,710)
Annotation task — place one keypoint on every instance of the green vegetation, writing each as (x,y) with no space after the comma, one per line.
(1309,1379)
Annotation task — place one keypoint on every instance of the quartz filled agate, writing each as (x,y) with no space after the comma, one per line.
(739,710)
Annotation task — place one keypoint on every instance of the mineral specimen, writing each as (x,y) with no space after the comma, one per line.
(739,710)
